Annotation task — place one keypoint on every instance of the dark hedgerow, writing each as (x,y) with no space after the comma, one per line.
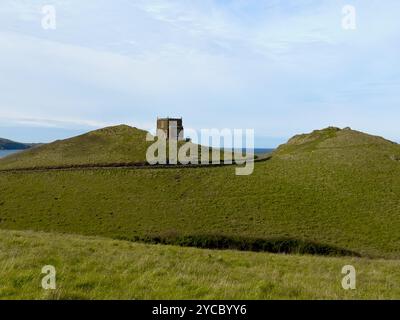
(273,245)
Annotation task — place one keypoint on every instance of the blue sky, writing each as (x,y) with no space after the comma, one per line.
(279,67)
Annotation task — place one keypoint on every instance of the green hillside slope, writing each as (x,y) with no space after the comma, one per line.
(117,144)
(110,146)
(332,138)
(335,187)
(96,268)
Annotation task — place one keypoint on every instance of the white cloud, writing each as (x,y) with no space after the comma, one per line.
(264,64)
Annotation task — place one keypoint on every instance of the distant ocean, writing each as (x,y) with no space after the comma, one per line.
(4,153)
(257,151)
(262,150)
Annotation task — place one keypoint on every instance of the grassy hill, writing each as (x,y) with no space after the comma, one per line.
(98,268)
(117,144)
(333,138)
(333,188)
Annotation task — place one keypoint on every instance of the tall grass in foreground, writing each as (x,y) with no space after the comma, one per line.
(98,268)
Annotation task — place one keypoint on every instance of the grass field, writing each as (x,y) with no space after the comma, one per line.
(343,191)
(97,268)
(334,192)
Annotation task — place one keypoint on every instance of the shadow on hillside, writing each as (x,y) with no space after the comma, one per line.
(273,245)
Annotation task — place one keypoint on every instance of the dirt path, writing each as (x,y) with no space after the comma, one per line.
(135,165)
